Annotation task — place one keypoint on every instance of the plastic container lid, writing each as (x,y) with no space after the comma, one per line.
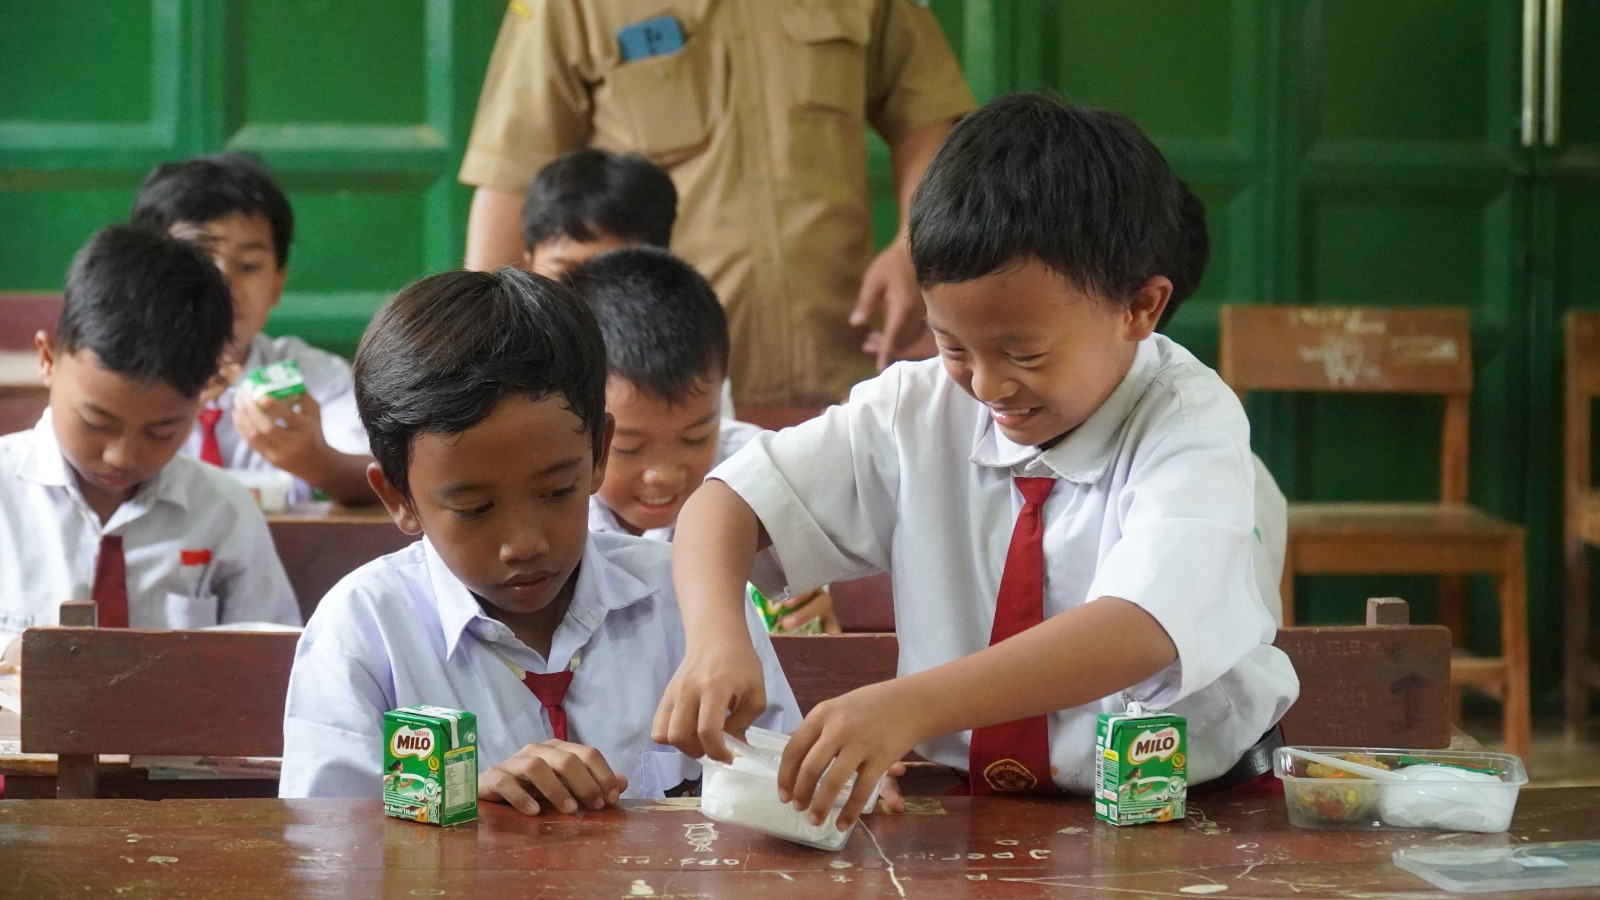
(1562,864)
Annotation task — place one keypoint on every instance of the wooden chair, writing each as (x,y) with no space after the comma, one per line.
(317,551)
(1394,351)
(1582,515)
(92,691)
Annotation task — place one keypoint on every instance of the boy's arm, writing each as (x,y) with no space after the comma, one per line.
(719,685)
(332,723)
(494,230)
(299,447)
(1070,659)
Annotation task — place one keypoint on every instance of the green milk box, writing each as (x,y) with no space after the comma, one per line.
(430,764)
(279,380)
(1140,767)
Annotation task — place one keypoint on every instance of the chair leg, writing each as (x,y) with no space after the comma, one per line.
(1576,629)
(76,776)
(1518,712)
(1452,602)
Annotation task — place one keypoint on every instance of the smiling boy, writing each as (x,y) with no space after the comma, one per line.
(95,502)
(484,395)
(1063,499)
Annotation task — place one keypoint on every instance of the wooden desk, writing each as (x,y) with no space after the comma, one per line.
(958,848)
(318,550)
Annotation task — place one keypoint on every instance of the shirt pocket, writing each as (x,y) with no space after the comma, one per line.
(191,610)
(830,37)
(661,771)
(664,104)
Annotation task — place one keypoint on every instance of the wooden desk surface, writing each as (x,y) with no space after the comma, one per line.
(958,847)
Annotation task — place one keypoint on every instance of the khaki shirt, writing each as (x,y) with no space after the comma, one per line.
(759,119)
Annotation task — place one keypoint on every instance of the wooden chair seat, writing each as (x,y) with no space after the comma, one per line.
(1394,351)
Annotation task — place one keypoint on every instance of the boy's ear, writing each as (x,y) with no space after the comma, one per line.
(605,454)
(1145,309)
(47,355)
(396,502)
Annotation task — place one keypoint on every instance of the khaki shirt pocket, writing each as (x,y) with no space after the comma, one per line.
(191,611)
(831,60)
(661,106)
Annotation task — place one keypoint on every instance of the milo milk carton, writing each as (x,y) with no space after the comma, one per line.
(1140,767)
(279,380)
(430,764)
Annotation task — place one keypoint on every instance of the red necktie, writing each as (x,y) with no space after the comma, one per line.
(210,450)
(110,591)
(1015,756)
(551,689)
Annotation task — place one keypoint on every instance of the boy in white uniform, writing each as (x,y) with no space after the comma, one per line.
(95,502)
(230,205)
(667,356)
(484,394)
(1058,455)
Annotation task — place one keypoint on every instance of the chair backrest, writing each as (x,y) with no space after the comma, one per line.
(1384,684)
(1318,349)
(823,666)
(317,551)
(171,693)
(1583,386)
(865,604)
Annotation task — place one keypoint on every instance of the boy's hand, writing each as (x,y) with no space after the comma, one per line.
(286,434)
(817,605)
(563,774)
(719,689)
(226,375)
(864,733)
(890,282)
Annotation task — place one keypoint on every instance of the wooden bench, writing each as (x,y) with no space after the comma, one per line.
(1383,684)
(318,550)
(91,691)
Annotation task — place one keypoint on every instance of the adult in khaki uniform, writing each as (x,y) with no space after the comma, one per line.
(759,119)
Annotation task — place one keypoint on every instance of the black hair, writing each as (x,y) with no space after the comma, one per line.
(125,292)
(585,193)
(207,188)
(442,353)
(663,326)
(1083,190)
(1191,251)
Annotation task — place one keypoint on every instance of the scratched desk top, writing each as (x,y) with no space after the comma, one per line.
(1237,846)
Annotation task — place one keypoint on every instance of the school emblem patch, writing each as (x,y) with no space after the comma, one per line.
(1008,776)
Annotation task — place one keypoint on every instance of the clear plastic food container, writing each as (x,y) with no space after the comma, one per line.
(1360,787)
(746,793)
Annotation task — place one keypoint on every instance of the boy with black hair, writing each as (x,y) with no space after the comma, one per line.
(1186,270)
(94,500)
(484,395)
(231,206)
(667,358)
(587,201)
(1063,498)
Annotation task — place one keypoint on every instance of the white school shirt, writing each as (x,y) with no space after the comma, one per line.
(403,630)
(328,381)
(1153,504)
(50,538)
(1271,544)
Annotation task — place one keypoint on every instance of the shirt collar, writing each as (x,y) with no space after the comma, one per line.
(45,465)
(602,587)
(1084,454)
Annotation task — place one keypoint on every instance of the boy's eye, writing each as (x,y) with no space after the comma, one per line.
(472,513)
(563,493)
(1023,359)
(697,441)
(93,426)
(625,451)
(162,434)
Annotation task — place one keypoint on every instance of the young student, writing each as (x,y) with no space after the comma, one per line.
(1186,270)
(484,394)
(95,502)
(587,201)
(666,342)
(230,205)
(1061,483)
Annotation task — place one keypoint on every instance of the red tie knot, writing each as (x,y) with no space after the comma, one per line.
(1035,490)
(210,416)
(550,688)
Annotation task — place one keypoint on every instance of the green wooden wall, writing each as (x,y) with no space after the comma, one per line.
(1350,152)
